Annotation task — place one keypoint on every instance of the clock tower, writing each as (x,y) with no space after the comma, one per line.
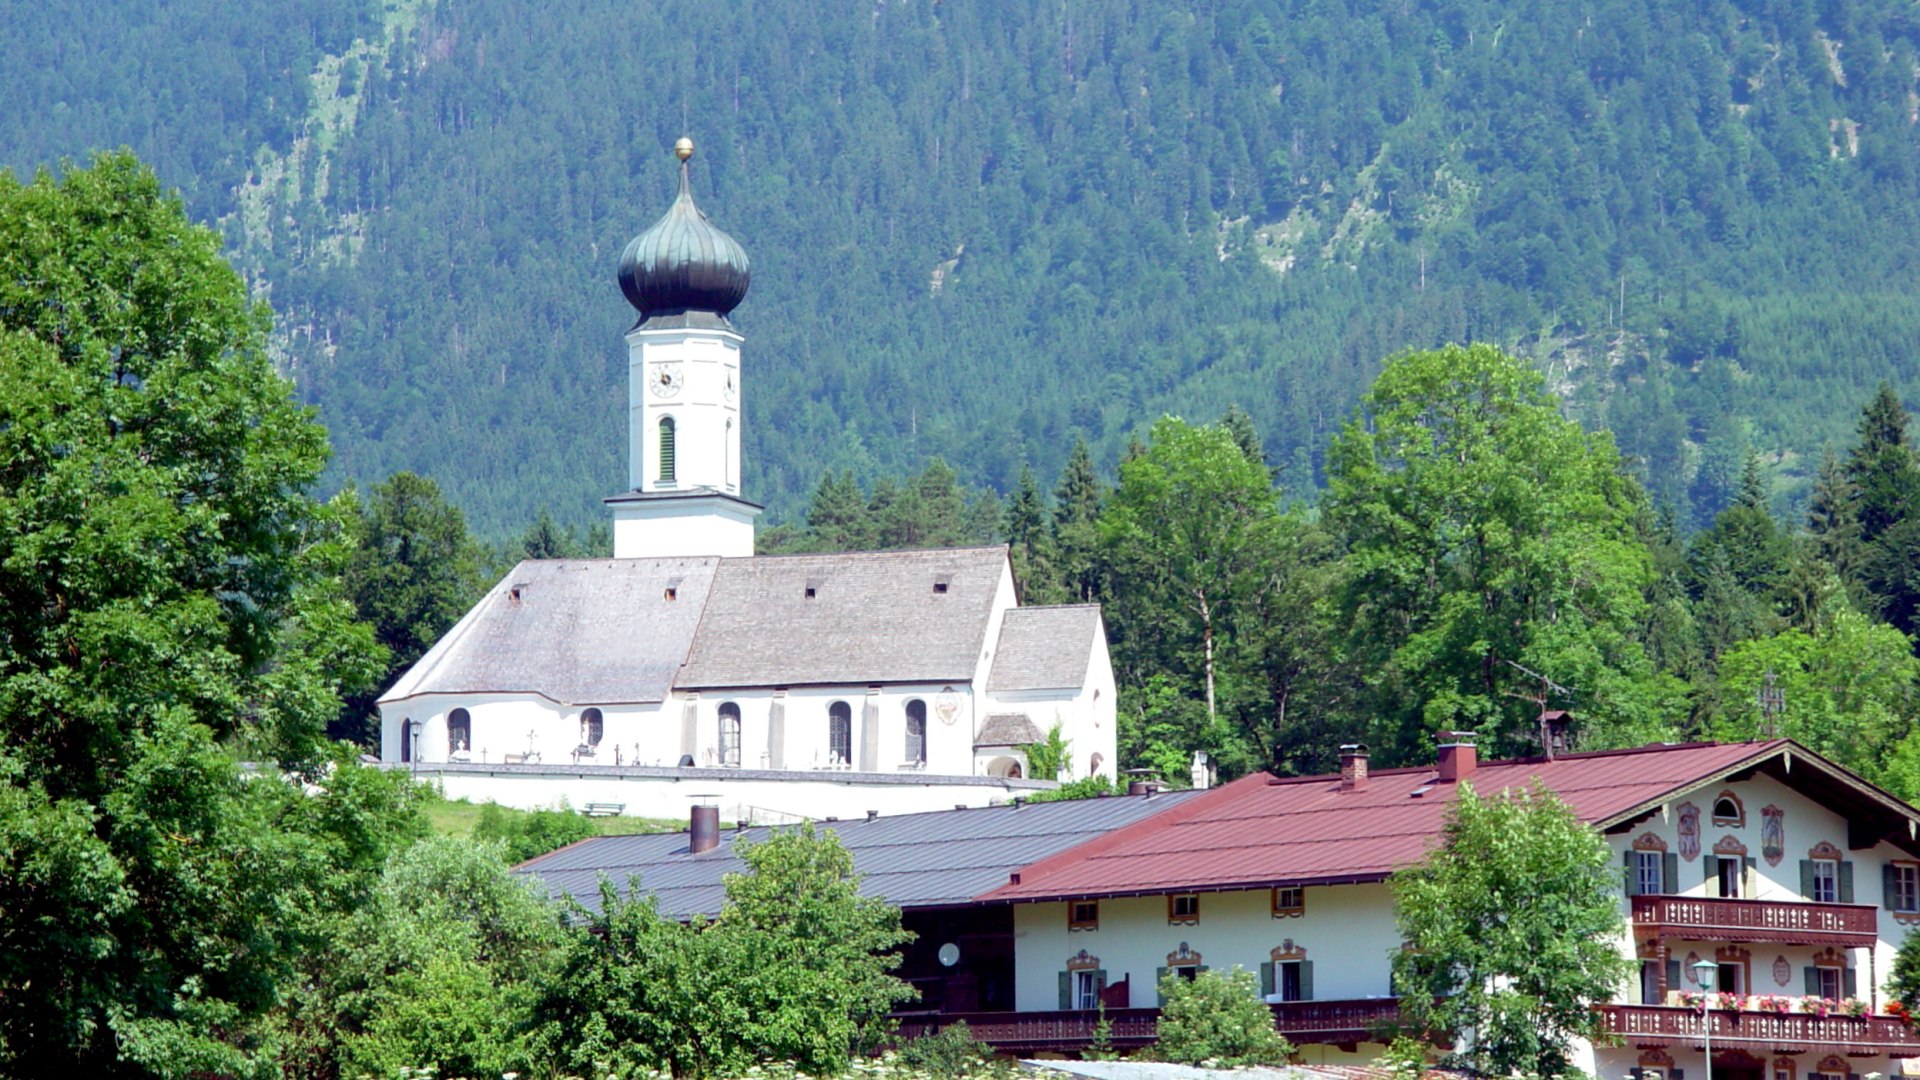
(683,275)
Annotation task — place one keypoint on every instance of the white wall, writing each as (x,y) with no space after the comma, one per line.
(670,793)
(1347,930)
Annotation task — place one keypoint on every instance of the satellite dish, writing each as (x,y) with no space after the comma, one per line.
(949,954)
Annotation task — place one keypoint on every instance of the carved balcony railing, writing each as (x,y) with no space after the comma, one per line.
(1763,1032)
(1302,1022)
(1793,922)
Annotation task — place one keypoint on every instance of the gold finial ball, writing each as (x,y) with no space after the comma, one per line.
(683,148)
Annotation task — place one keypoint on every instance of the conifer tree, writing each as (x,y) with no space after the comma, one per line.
(1076,535)
(1882,466)
(838,520)
(1833,517)
(1031,541)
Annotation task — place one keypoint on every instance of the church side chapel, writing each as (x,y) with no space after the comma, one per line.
(798,686)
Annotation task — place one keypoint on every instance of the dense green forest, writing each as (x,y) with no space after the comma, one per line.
(983,231)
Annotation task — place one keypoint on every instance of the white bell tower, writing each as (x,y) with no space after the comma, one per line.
(683,401)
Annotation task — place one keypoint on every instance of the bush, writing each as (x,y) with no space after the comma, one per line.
(529,833)
(1217,1019)
(952,1053)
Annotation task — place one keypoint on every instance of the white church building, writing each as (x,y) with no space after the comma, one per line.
(686,668)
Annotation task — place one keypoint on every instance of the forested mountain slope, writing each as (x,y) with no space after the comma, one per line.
(981,228)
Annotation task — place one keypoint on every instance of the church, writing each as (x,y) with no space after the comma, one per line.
(687,668)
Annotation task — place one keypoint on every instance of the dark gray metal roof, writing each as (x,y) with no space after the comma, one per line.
(577,631)
(936,859)
(872,617)
(1044,648)
(1007,729)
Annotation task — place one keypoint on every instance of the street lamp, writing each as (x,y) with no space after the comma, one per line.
(1703,971)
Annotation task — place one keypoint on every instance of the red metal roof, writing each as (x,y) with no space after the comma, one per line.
(1261,830)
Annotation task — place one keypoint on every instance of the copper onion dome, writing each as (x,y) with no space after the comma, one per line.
(683,270)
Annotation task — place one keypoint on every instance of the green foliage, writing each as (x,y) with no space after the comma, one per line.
(438,969)
(1903,982)
(1046,759)
(166,598)
(1522,977)
(952,1053)
(1487,536)
(797,968)
(1189,535)
(1087,787)
(524,834)
(413,572)
(1217,1019)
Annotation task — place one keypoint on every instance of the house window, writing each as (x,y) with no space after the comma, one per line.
(1650,983)
(1289,982)
(1729,978)
(1903,888)
(1083,915)
(916,732)
(1086,989)
(1828,982)
(1728,811)
(592,727)
(1183,909)
(1724,875)
(840,733)
(459,731)
(1289,902)
(666,449)
(1783,1068)
(1649,872)
(729,733)
(1824,876)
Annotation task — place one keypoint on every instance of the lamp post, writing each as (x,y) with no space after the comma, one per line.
(1703,971)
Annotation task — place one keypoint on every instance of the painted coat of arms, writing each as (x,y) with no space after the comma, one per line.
(1773,834)
(1689,831)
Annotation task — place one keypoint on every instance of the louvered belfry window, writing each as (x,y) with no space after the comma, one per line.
(666,449)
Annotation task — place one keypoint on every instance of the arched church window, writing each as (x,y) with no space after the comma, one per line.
(916,732)
(840,733)
(666,449)
(406,740)
(727,443)
(593,725)
(459,731)
(729,733)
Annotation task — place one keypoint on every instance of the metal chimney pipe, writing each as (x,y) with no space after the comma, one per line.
(704,830)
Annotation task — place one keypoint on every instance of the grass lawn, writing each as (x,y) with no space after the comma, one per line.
(457,817)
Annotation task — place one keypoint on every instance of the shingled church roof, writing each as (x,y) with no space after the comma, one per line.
(1044,648)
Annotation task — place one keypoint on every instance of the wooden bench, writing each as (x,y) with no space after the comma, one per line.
(605,809)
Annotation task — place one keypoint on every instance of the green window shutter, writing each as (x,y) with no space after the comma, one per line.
(1100,981)
(1813,981)
(1306,980)
(1849,982)
(1711,865)
(1889,889)
(1159,980)
(1266,979)
(1066,990)
(1806,878)
(1749,878)
(1670,873)
(1198,968)
(1633,875)
(1846,881)
(1673,973)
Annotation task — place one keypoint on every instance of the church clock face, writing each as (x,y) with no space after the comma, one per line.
(666,380)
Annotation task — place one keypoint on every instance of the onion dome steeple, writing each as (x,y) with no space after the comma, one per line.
(683,271)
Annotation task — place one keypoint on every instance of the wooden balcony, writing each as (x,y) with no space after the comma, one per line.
(1302,1022)
(1792,922)
(1763,1032)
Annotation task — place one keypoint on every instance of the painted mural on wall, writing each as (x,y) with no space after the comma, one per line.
(1773,834)
(1689,831)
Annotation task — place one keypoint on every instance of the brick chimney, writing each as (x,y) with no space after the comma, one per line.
(1353,767)
(1457,755)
